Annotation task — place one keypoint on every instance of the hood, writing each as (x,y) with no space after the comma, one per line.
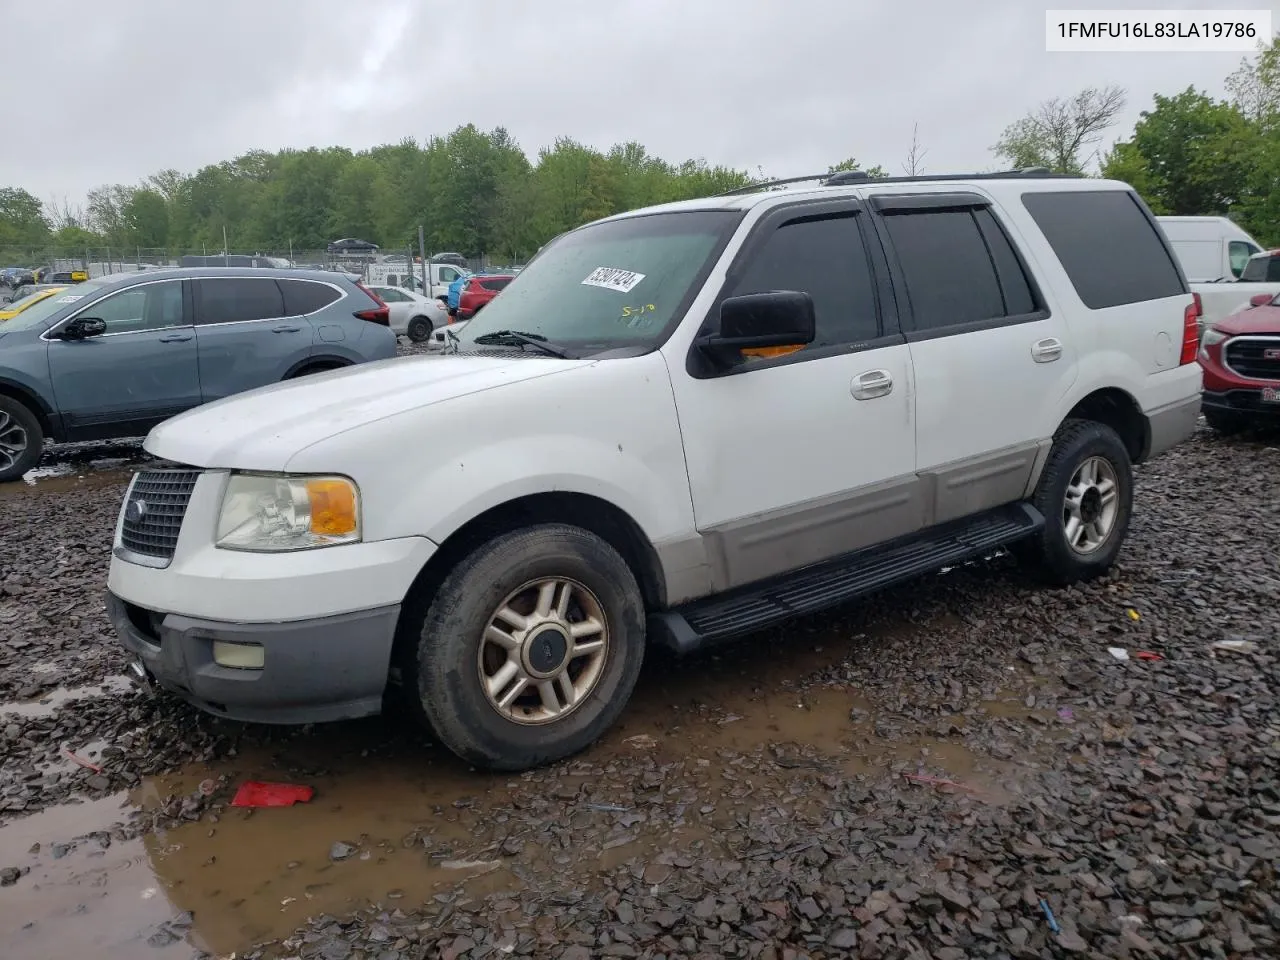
(262,429)
(1251,320)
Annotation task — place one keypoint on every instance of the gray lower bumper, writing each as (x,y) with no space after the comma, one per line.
(333,668)
(1172,424)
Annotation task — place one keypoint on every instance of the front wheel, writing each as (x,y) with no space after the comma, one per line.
(1086,496)
(21,439)
(530,648)
(419,329)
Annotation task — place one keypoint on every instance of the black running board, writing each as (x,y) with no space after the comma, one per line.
(819,587)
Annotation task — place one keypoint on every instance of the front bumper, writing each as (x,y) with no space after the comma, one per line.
(327,668)
(1242,400)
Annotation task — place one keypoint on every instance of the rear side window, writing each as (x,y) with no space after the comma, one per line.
(958,266)
(1261,270)
(1112,253)
(232,300)
(498,283)
(303,296)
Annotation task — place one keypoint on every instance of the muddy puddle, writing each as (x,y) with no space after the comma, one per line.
(70,466)
(53,700)
(395,822)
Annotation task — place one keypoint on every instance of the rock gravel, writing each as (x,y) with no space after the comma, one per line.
(956,768)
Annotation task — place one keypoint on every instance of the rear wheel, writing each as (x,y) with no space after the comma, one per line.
(1086,496)
(1225,423)
(419,329)
(530,648)
(21,439)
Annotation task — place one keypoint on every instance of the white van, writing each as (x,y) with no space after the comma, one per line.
(1209,248)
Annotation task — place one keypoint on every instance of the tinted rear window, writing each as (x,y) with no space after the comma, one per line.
(1261,270)
(236,299)
(1111,251)
(495,284)
(303,296)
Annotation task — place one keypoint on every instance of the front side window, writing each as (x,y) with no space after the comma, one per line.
(1239,252)
(236,299)
(150,306)
(616,284)
(825,258)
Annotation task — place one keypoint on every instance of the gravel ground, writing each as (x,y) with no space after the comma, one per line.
(957,768)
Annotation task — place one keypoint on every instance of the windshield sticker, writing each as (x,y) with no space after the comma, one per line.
(613,278)
(71,299)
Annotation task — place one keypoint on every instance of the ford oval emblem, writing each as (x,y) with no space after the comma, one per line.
(136,512)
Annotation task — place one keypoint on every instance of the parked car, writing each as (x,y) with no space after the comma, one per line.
(1210,249)
(677,425)
(112,357)
(15,307)
(443,336)
(457,259)
(1221,299)
(478,291)
(412,315)
(1241,359)
(350,245)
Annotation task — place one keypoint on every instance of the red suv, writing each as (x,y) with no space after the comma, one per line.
(478,291)
(1240,356)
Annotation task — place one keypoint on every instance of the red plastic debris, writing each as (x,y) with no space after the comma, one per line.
(255,793)
(1148,655)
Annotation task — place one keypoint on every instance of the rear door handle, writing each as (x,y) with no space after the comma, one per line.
(285,329)
(1047,350)
(175,338)
(872,384)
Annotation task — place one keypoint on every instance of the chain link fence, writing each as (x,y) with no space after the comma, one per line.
(104,261)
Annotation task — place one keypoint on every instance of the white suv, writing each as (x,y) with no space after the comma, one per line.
(676,425)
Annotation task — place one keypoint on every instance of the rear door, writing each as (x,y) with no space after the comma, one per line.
(989,356)
(246,336)
(143,370)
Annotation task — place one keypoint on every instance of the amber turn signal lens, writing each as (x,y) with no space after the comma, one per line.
(333,507)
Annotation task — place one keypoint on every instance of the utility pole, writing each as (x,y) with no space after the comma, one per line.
(426,267)
(226,254)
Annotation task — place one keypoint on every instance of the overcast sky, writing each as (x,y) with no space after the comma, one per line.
(111,92)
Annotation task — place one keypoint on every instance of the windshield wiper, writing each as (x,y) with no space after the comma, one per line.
(523,339)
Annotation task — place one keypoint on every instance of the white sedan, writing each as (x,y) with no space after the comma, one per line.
(440,338)
(412,315)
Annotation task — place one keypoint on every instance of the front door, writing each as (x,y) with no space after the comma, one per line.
(798,458)
(142,370)
(989,356)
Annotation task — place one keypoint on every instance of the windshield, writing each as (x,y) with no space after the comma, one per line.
(38,314)
(621,283)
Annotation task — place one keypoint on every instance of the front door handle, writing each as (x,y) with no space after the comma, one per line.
(1047,350)
(285,329)
(872,384)
(175,338)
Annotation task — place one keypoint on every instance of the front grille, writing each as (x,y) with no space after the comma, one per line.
(1254,359)
(153,513)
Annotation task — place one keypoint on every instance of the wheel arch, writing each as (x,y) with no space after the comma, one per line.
(35,403)
(594,514)
(1117,409)
(312,364)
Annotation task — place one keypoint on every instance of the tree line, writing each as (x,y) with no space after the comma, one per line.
(478,193)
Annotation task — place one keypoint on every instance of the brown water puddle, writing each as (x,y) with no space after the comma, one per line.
(79,479)
(51,701)
(422,825)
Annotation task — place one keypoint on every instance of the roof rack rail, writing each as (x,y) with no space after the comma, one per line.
(857,176)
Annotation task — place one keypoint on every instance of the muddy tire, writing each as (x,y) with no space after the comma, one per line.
(530,648)
(419,329)
(1226,424)
(1086,496)
(21,439)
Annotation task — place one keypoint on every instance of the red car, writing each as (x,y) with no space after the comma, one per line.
(1240,357)
(478,291)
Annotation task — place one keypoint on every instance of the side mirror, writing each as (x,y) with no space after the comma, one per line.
(1261,299)
(82,327)
(780,318)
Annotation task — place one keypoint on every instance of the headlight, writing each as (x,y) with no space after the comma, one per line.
(265,513)
(1213,336)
